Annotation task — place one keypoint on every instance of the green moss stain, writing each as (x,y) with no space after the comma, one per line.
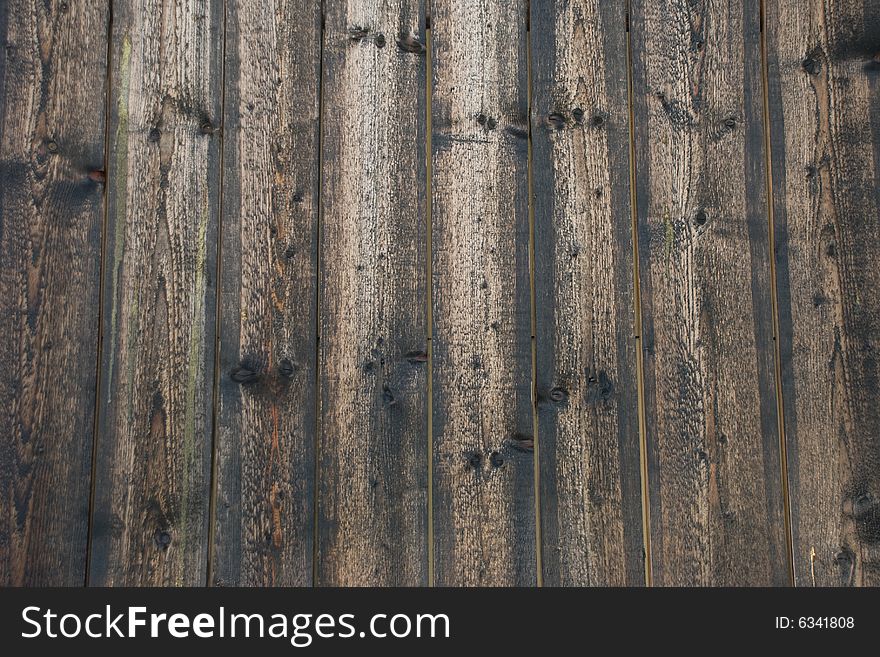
(194,370)
(121,192)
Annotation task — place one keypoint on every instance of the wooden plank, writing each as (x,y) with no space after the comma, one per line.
(713,448)
(152,490)
(483,484)
(588,415)
(372,366)
(266,402)
(52,103)
(824,70)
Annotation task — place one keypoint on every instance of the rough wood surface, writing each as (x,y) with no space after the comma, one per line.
(588,419)
(153,466)
(824,70)
(373,467)
(266,416)
(483,492)
(52,102)
(713,448)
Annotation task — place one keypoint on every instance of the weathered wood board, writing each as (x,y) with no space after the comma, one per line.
(824,97)
(373,423)
(264,531)
(588,415)
(153,466)
(483,476)
(715,481)
(52,106)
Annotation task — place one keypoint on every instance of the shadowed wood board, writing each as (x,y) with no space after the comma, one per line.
(483,482)
(824,97)
(265,436)
(51,215)
(588,421)
(153,465)
(373,471)
(716,499)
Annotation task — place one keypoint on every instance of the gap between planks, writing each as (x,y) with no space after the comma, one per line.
(215,392)
(774,301)
(100,351)
(637,303)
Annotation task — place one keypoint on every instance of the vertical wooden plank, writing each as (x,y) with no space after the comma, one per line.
(588,417)
(52,102)
(152,485)
(372,365)
(266,416)
(483,492)
(824,93)
(713,448)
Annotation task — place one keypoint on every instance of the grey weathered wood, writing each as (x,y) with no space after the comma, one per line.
(373,471)
(150,516)
(483,484)
(713,448)
(824,67)
(266,402)
(588,416)
(52,103)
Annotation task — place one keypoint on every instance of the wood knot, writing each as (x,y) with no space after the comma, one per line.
(474,459)
(286,368)
(522,443)
(410,43)
(417,356)
(496,459)
(558,395)
(163,540)
(811,64)
(388,399)
(97,176)
(598,120)
(556,121)
(244,375)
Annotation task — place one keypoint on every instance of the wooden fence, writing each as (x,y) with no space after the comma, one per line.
(453,292)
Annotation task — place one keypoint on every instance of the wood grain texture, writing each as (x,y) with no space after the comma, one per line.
(266,416)
(713,448)
(52,101)
(483,492)
(150,516)
(588,418)
(373,305)
(824,93)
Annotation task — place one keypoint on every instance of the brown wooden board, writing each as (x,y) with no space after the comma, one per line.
(52,101)
(266,397)
(713,448)
(153,468)
(483,483)
(824,95)
(588,416)
(373,471)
